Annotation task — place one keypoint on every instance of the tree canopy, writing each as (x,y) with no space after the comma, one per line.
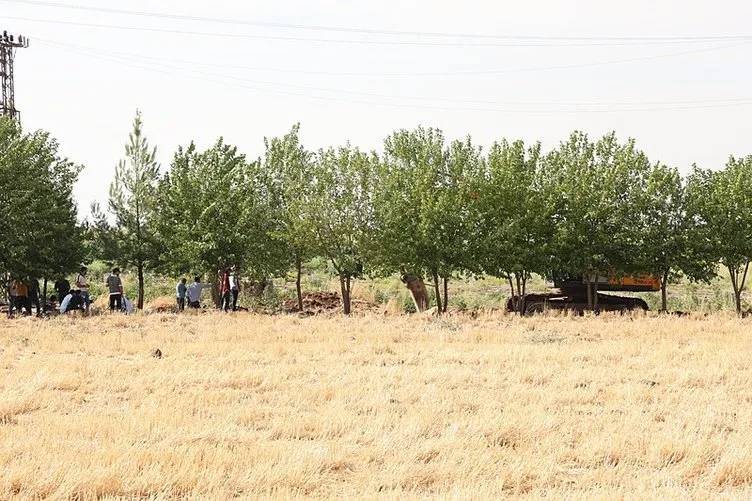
(40,236)
(424,208)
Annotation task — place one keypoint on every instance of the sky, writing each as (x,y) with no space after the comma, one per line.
(674,75)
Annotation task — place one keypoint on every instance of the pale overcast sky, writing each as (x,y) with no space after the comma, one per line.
(684,99)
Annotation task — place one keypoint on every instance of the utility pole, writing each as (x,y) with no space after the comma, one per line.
(8,46)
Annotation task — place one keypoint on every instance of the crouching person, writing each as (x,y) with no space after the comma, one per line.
(72,302)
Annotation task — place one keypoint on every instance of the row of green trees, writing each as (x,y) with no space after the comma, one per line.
(430,208)
(426,207)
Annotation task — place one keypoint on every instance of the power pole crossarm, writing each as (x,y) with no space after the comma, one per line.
(8,45)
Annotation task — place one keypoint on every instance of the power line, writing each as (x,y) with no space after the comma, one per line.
(493,71)
(243,83)
(369,31)
(542,43)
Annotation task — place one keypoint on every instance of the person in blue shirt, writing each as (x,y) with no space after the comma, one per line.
(180,290)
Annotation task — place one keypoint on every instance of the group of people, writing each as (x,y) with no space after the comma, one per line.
(74,298)
(79,298)
(24,293)
(190,294)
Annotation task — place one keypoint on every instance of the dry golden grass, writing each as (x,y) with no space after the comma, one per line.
(376,407)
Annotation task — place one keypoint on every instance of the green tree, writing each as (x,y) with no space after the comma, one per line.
(514,216)
(214,215)
(671,244)
(594,188)
(338,208)
(287,178)
(721,207)
(40,236)
(421,205)
(133,207)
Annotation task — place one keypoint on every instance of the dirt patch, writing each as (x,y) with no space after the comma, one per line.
(164,304)
(316,303)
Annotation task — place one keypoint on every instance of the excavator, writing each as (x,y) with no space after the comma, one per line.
(574,292)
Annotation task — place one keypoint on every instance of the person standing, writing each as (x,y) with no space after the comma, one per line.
(225,290)
(115,287)
(62,288)
(82,284)
(193,292)
(12,296)
(19,297)
(34,296)
(180,291)
(234,289)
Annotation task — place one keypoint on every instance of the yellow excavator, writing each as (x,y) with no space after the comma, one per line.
(574,295)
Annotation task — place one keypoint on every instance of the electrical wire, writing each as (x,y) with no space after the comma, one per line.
(396,43)
(459,73)
(601,107)
(368,31)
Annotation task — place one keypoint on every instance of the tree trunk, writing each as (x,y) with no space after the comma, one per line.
(437,291)
(520,294)
(446,293)
(595,295)
(664,286)
(738,284)
(140,302)
(44,295)
(742,286)
(515,299)
(344,284)
(589,294)
(418,290)
(214,279)
(299,274)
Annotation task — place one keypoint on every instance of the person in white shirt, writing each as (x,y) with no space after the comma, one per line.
(234,289)
(194,292)
(82,284)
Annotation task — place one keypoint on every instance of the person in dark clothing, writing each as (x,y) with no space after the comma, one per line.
(34,296)
(51,304)
(62,288)
(115,288)
(234,289)
(225,290)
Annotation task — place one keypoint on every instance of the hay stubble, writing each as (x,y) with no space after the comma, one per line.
(372,406)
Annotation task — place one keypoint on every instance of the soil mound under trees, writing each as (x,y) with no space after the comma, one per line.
(315,303)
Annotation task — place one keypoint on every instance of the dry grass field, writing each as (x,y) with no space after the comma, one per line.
(376,406)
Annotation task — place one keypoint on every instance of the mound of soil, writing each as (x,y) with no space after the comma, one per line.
(164,304)
(315,303)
